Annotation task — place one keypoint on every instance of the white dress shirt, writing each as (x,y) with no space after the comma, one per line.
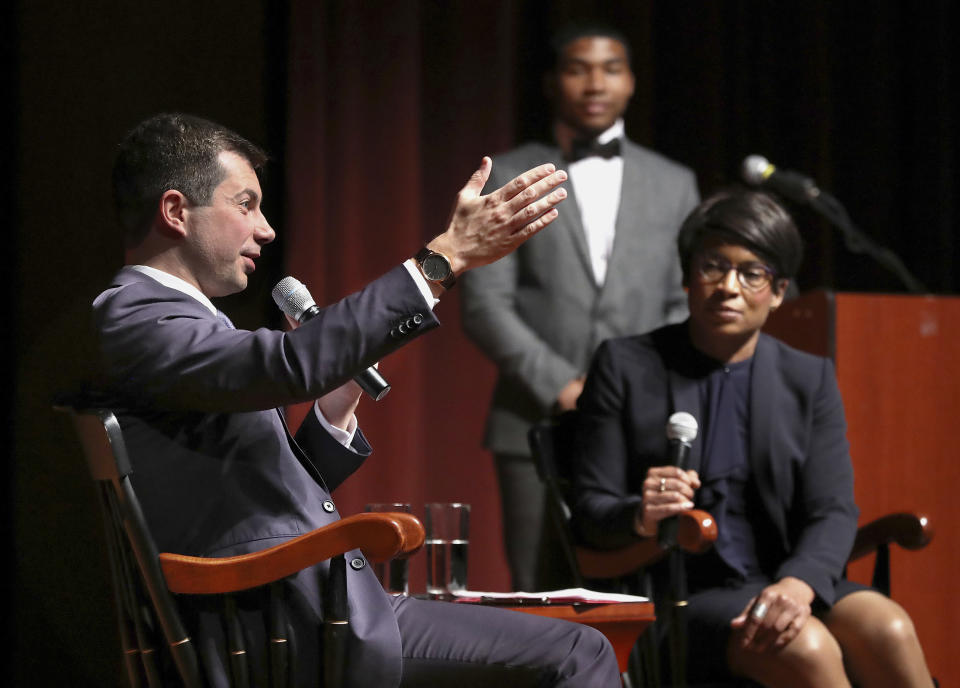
(597,183)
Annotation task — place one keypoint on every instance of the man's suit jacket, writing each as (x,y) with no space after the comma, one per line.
(215,468)
(538,312)
(799,456)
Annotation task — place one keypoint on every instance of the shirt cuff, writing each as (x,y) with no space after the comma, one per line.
(411,265)
(344,437)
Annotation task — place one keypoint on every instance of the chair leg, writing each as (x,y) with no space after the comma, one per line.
(136,604)
(335,624)
(677,621)
(881,570)
(236,645)
(279,642)
(131,653)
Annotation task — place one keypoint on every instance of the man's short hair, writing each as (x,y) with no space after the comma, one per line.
(569,33)
(171,151)
(746,218)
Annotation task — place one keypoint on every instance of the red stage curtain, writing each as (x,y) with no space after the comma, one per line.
(388,117)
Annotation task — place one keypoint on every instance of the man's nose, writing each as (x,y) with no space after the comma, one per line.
(597,80)
(264,233)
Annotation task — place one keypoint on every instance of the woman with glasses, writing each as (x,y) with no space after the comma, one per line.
(771,463)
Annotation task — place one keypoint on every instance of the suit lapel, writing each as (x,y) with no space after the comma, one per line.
(301,455)
(635,199)
(763,398)
(684,396)
(682,380)
(570,220)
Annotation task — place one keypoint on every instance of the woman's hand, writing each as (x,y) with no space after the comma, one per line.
(775,616)
(667,491)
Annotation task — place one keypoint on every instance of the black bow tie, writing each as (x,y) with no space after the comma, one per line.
(585,148)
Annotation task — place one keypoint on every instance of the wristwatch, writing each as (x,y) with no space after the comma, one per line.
(435,267)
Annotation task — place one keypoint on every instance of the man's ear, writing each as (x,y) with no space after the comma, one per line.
(173,212)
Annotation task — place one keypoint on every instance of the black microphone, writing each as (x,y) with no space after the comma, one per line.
(758,171)
(293,298)
(681,432)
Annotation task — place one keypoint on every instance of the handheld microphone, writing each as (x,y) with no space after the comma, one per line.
(758,171)
(293,298)
(681,432)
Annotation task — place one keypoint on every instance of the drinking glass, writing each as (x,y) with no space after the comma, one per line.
(393,574)
(448,539)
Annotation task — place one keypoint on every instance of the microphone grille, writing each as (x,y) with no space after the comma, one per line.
(292,297)
(755,169)
(682,426)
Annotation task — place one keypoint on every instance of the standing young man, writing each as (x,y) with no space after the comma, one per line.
(607,268)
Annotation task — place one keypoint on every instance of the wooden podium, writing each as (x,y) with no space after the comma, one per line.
(898,366)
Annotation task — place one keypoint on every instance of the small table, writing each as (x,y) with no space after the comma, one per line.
(622,622)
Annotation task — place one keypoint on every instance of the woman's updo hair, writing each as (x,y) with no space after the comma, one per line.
(746,218)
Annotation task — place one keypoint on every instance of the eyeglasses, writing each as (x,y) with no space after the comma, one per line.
(752,276)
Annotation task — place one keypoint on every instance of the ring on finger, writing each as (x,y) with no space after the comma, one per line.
(663,485)
(759,611)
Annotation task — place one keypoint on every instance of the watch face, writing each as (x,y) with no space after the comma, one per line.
(435,267)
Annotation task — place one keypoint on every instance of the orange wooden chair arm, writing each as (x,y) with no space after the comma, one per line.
(697,531)
(381,536)
(910,531)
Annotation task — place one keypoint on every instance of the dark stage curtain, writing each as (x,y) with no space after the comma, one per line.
(390,112)
(390,109)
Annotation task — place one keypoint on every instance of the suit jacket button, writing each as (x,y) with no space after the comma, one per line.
(357,564)
(402,328)
(328,506)
(417,319)
(395,333)
(411,324)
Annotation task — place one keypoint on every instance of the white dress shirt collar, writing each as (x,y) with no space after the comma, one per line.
(168,280)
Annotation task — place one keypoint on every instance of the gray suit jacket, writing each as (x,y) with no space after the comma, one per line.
(215,468)
(539,314)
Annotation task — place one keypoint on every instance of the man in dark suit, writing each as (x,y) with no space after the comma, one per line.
(608,268)
(217,471)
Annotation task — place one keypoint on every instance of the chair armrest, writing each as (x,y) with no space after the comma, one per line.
(696,533)
(910,531)
(381,536)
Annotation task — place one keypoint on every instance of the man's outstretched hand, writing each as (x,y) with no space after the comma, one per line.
(483,229)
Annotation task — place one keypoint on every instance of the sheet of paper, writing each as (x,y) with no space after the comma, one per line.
(566,596)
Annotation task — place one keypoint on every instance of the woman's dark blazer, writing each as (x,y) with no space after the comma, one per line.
(799,455)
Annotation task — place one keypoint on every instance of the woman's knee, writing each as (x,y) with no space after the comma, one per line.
(893,630)
(876,620)
(814,647)
(812,658)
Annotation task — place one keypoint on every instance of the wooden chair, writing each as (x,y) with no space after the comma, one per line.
(550,442)
(146,583)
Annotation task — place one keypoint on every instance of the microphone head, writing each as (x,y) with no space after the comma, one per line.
(682,426)
(292,297)
(756,169)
